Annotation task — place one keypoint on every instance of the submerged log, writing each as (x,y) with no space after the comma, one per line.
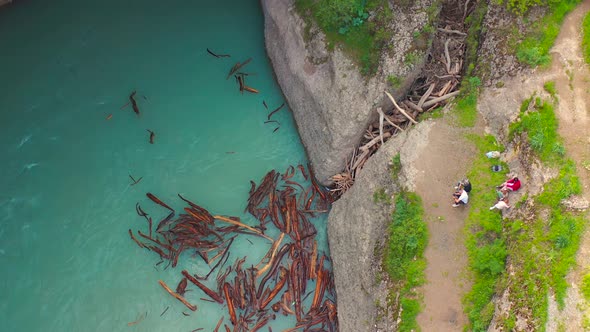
(204,288)
(177,296)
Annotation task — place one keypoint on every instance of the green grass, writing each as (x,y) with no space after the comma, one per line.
(549,86)
(412,58)
(483,228)
(347,23)
(541,250)
(395,81)
(466,108)
(403,259)
(534,49)
(364,37)
(585,287)
(586,38)
(540,127)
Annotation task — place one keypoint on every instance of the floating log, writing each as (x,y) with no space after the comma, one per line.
(158,201)
(250,89)
(272,251)
(178,297)
(204,288)
(230,305)
(233,222)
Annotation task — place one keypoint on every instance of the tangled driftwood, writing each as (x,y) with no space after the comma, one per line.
(437,84)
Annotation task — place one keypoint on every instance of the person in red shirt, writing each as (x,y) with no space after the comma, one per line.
(513,184)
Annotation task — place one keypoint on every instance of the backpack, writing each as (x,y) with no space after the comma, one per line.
(466,185)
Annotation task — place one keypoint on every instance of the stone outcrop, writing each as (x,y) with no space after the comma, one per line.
(331,101)
(357,228)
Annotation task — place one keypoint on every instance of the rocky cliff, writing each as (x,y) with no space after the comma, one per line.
(357,228)
(331,101)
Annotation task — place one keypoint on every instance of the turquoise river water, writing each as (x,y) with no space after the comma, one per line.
(66,202)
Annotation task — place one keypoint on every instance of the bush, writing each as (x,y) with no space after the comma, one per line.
(490,258)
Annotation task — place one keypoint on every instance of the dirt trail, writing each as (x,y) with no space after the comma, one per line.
(572,79)
(442,163)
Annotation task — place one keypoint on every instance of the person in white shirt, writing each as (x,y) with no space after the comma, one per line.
(501,205)
(460,198)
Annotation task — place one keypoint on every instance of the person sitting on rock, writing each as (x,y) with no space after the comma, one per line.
(512,184)
(460,197)
(501,205)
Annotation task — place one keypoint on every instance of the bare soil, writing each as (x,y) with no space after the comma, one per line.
(442,163)
(572,78)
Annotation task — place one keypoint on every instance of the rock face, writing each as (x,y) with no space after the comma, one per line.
(357,227)
(331,102)
(496,56)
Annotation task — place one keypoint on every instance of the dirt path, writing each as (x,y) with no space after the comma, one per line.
(442,163)
(572,79)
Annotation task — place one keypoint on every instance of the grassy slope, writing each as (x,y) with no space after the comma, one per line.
(540,250)
(534,48)
(403,259)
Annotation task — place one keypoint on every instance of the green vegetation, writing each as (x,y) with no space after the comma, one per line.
(394,81)
(542,248)
(403,259)
(423,38)
(534,48)
(363,36)
(586,38)
(380,196)
(395,166)
(485,246)
(413,58)
(549,86)
(347,23)
(540,126)
(474,22)
(466,108)
(585,288)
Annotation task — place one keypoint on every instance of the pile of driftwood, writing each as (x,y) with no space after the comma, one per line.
(438,83)
(278,284)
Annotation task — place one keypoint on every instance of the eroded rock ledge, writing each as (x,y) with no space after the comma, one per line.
(331,101)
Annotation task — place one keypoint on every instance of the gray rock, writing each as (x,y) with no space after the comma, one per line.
(331,101)
(357,227)
(575,203)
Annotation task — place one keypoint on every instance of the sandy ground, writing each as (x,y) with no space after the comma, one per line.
(442,163)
